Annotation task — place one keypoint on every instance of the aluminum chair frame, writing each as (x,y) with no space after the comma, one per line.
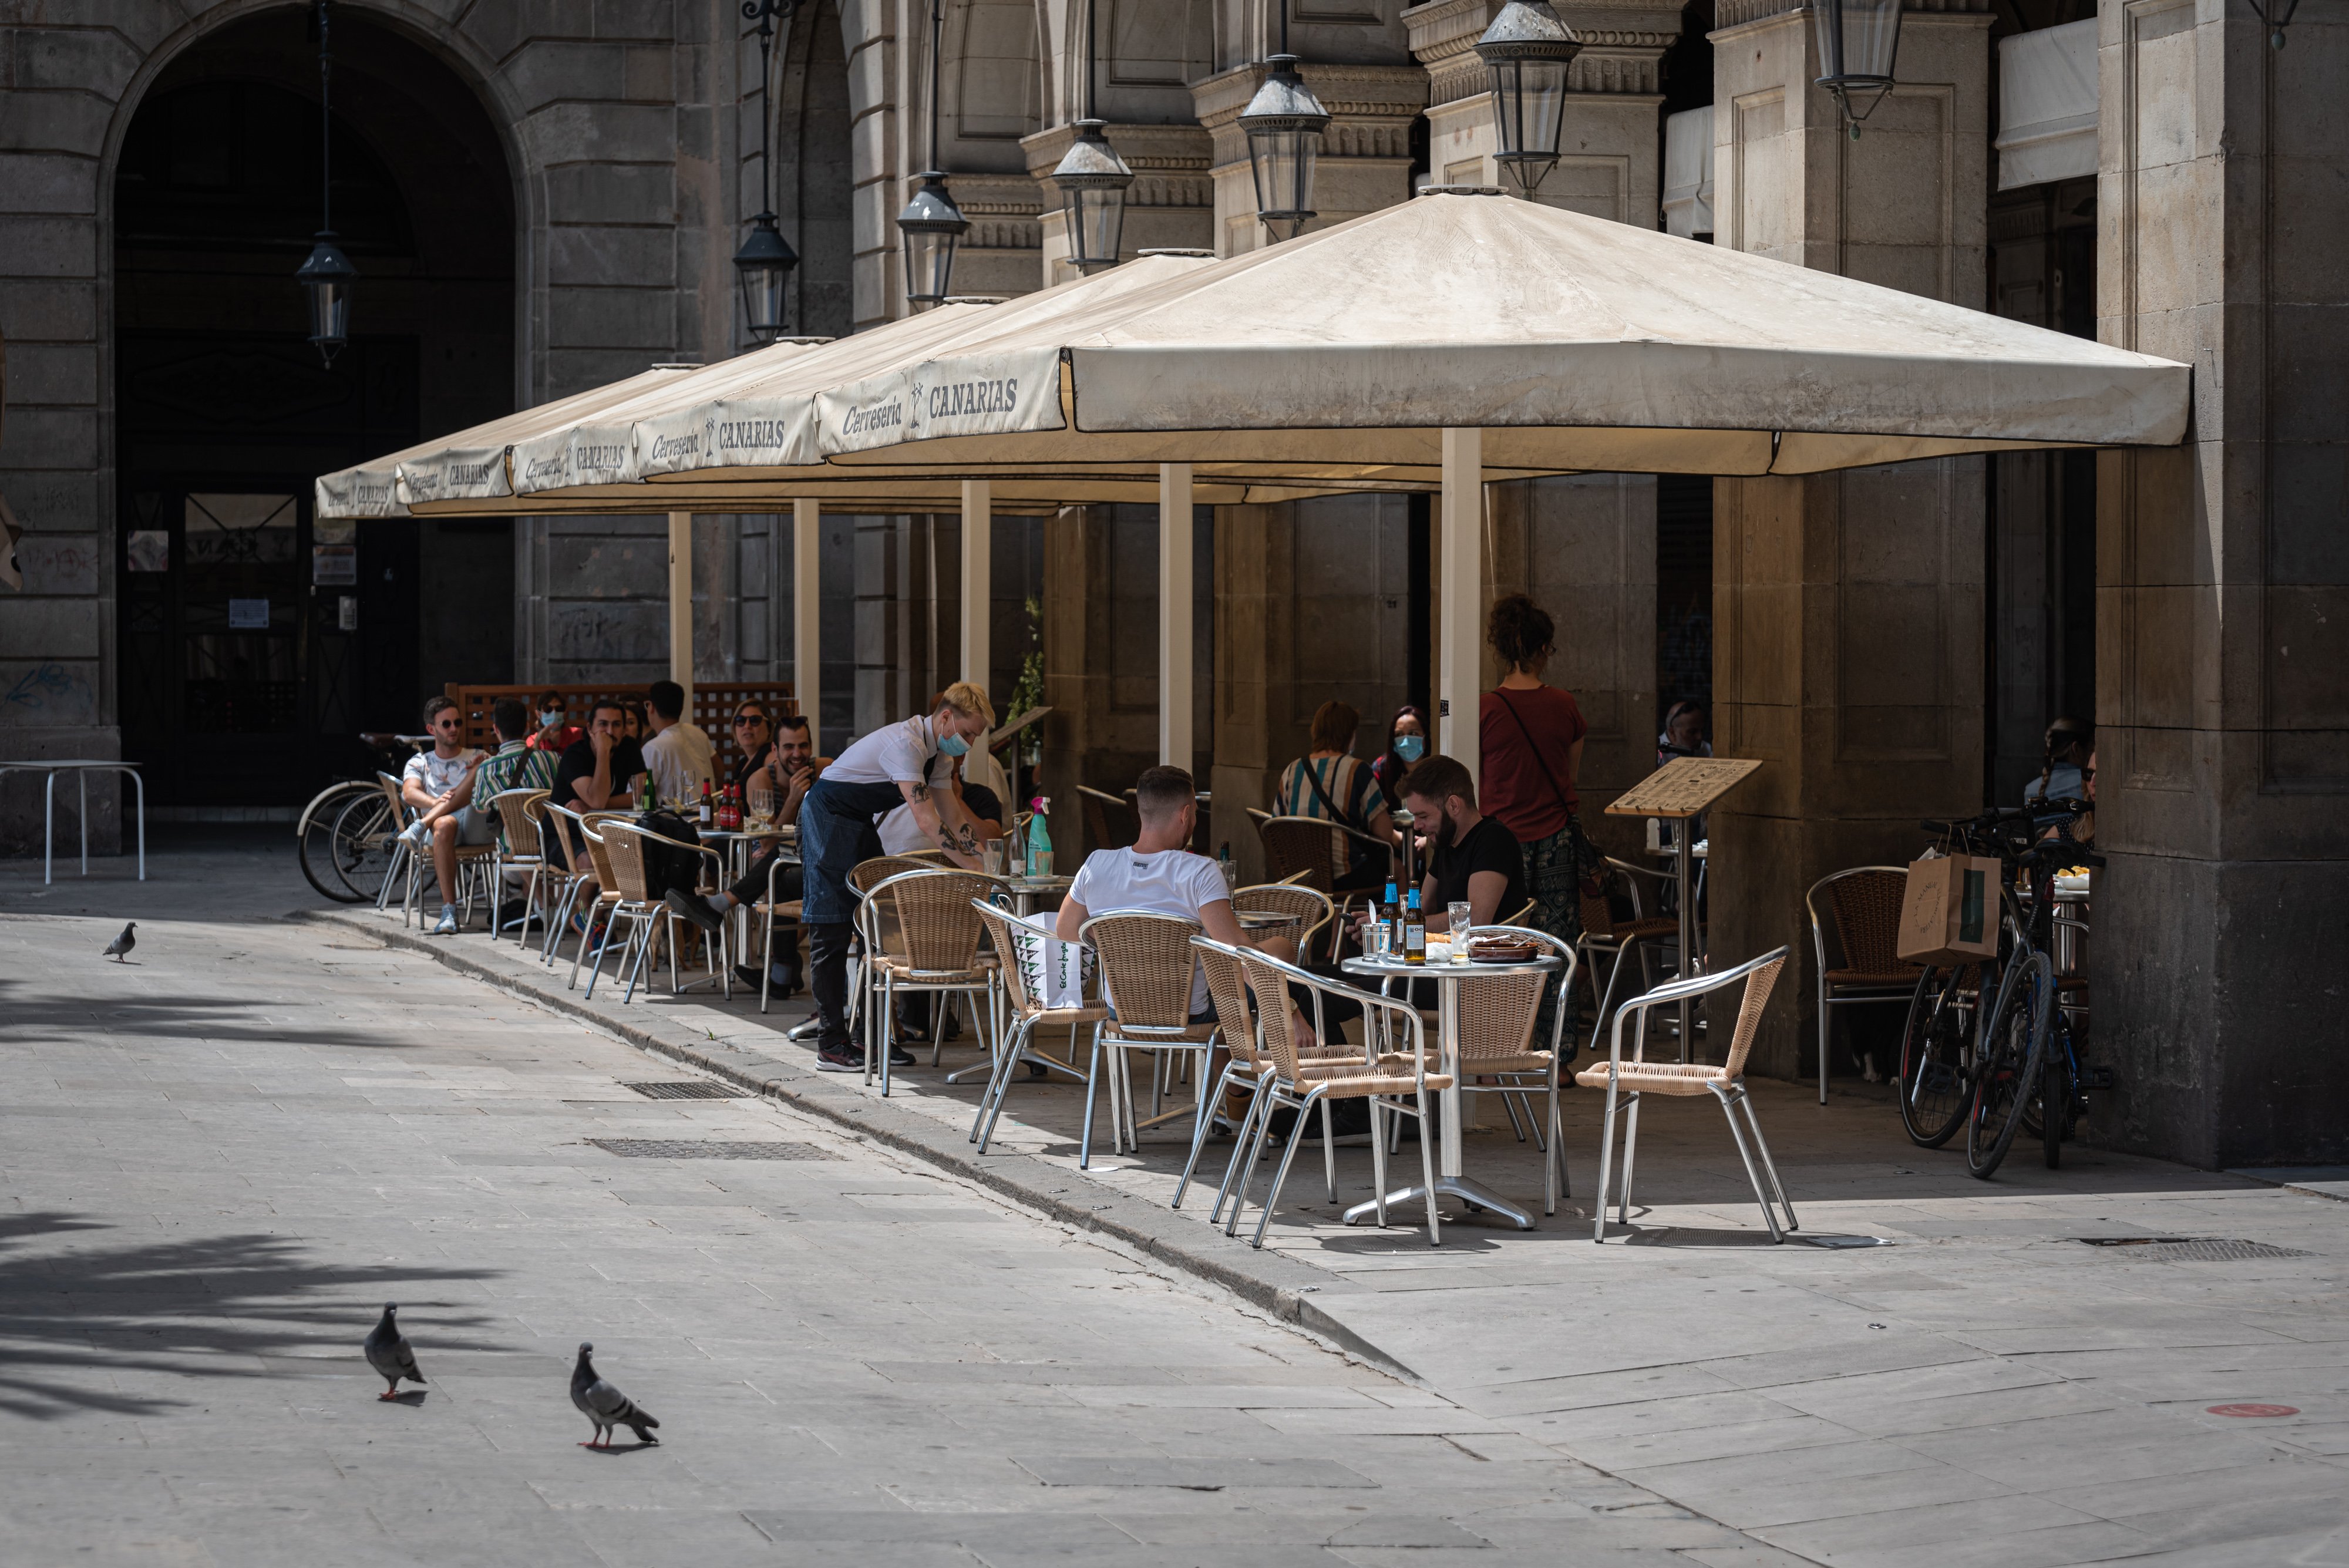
(586,822)
(1554,1179)
(1017,1025)
(1303,1084)
(651,917)
(1121,1033)
(1282,893)
(514,812)
(1620,948)
(1827,993)
(895,973)
(1727,1083)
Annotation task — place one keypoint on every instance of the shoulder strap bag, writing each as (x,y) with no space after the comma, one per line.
(1588,863)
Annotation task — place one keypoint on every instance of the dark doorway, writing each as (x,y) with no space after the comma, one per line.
(255,645)
(815,172)
(1684,593)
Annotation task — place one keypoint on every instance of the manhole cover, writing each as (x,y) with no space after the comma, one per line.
(688,1089)
(2254,1410)
(2190,1248)
(679,1148)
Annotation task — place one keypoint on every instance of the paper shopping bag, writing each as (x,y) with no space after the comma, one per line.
(1054,971)
(1950,911)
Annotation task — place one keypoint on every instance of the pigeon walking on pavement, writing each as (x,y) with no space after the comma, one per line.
(607,1406)
(123,943)
(389,1352)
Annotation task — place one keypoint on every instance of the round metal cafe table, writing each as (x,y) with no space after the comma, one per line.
(1446,977)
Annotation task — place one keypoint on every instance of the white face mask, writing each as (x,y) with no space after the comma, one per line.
(551,715)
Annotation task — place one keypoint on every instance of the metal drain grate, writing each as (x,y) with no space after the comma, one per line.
(688,1089)
(2190,1248)
(679,1148)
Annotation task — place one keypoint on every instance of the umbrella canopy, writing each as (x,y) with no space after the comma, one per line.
(1572,341)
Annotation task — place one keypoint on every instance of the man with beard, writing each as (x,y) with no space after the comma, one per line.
(1470,857)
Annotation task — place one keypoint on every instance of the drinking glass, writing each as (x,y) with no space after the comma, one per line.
(758,804)
(994,850)
(1462,914)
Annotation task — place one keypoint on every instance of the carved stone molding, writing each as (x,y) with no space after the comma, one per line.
(1728,13)
(1623,45)
(1003,211)
(1169,163)
(1371,108)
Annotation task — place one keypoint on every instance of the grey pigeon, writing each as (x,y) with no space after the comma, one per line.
(389,1352)
(123,943)
(607,1406)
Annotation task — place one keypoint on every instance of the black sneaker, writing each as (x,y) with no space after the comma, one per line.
(898,1058)
(847,1059)
(781,983)
(696,910)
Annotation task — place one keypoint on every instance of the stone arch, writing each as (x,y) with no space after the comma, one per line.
(995,84)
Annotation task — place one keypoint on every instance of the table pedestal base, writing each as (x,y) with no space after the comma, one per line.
(1466,1189)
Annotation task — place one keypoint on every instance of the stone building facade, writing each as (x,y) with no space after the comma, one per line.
(543,197)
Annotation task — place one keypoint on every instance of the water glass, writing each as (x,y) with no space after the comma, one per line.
(758,804)
(994,850)
(1462,915)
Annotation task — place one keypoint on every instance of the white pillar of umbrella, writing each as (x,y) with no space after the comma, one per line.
(1174,740)
(807,651)
(978,579)
(1461,586)
(681,604)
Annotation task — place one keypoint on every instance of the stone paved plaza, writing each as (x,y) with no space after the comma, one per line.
(221,1158)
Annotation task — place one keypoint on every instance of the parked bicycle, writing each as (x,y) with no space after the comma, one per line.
(349,832)
(2018,1065)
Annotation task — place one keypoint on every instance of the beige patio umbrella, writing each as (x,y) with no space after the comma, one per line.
(1466,333)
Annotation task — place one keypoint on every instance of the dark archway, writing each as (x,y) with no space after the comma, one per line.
(815,172)
(244,632)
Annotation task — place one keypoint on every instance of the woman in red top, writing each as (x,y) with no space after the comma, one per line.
(1532,737)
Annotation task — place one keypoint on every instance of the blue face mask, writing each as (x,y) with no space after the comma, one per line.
(953,745)
(1410,748)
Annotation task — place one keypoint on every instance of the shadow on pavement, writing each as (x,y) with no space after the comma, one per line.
(82,1325)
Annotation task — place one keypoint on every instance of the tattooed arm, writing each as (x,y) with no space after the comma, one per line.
(943,821)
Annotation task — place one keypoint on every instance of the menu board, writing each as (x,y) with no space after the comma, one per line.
(1682,787)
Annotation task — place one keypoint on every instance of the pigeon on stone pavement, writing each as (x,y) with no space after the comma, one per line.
(123,943)
(389,1352)
(607,1406)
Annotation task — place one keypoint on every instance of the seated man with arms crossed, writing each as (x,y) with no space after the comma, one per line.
(440,784)
(781,757)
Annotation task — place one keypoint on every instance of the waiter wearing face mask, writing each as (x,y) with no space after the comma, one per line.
(890,767)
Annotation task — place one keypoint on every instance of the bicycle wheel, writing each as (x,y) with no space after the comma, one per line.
(362,845)
(1936,1082)
(2013,1053)
(317,838)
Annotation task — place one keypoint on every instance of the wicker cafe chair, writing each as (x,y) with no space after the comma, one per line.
(1024,1012)
(940,956)
(1111,820)
(1393,1082)
(1145,970)
(767,909)
(399,872)
(879,936)
(1242,1022)
(563,837)
(1618,941)
(1627,1080)
(518,812)
(1311,908)
(648,915)
(598,874)
(1498,1016)
(471,858)
(1864,903)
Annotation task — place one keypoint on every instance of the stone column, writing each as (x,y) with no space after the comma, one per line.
(2223,592)
(1848,607)
(1365,161)
(1610,157)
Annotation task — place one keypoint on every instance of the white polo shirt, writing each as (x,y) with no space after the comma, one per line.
(893,754)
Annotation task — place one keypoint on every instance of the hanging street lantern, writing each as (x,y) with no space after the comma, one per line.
(326,278)
(1859,41)
(1528,48)
(1093,181)
(763,266)
(1284,122)
(931,226)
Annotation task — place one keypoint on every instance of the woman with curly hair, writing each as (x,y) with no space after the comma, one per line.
(1533,736)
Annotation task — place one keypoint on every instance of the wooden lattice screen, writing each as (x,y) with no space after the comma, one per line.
(713,709)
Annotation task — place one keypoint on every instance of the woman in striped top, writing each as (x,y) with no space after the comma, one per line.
(1331,784)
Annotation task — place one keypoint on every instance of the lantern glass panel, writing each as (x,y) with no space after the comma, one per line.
(1530,113)
(1859,44)
(1096,225)
(1283,161)
(929,264)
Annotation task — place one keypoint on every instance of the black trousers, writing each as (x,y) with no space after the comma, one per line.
(828,946)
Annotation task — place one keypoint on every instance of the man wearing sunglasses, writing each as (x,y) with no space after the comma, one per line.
(439,784)
(782,759)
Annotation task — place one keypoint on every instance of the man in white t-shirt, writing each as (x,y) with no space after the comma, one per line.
(439,785)
(680,755)
(1161,876)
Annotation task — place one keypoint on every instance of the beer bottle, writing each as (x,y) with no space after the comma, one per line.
(1414,929)
(707,822)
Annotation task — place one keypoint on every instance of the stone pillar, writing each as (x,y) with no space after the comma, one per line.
(1610,157)
(1848,607)
(1365,161)
(2223,592)
(1101,658)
